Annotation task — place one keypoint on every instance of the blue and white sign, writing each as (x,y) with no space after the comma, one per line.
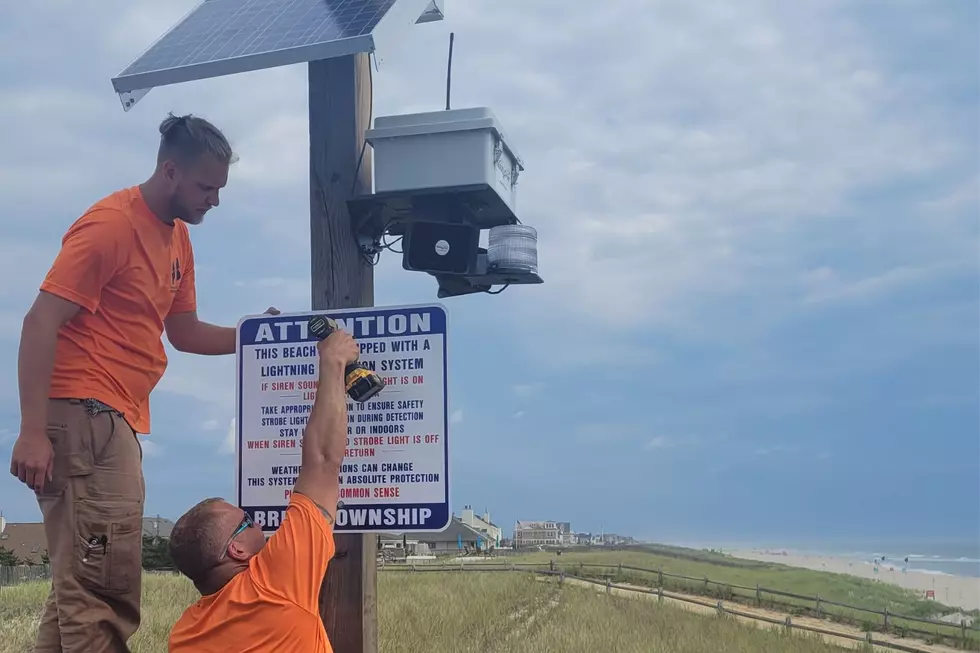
(395,475)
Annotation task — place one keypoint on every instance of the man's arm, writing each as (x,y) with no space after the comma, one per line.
(91,253)
(325,438)
(295,559)
(33,456)
(191,335)
(35,358)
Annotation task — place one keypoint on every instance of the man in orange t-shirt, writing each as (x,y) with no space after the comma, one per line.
(259,596)
(90,354)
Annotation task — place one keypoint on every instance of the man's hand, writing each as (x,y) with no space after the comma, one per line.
(33,459)
(339,348)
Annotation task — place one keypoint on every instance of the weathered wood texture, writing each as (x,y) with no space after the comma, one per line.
(340,106)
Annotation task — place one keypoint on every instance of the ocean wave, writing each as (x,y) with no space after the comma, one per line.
(975,561)
(931,572)
(913,557)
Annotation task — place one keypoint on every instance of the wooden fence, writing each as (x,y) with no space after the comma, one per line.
(965,636)
(820,605)
(18,574)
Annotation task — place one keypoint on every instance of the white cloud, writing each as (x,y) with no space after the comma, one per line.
(964,196)
(771,451)
(268,153)
(456,417)
(228,443)
(670,442)
(151,449)
(659,442)
(824,285)
(690,172)
(719,164)
(518,415)
(527,390)
(290,294)
(208,379)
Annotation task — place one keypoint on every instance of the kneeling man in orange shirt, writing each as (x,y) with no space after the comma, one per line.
(259,595)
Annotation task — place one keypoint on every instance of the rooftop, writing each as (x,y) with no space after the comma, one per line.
(27,541)
(551,525)
(453,533)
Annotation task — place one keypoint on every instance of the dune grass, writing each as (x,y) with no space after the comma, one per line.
(164,598)
(518,614)
(491,613)
(723,571)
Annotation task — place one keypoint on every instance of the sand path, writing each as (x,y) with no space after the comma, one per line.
(703,605)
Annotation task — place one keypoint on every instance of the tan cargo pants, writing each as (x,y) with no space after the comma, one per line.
(93,512)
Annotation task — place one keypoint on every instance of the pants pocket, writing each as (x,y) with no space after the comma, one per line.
(70,439)
(60,440)
(108,545)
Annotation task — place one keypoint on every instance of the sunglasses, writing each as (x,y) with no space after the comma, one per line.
(245,523)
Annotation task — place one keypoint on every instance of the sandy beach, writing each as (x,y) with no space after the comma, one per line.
(957,591)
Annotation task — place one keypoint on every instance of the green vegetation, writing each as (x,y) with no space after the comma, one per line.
(493,612)
(724,572)
(727,570)
(513,613)
(156,553)
(7,558)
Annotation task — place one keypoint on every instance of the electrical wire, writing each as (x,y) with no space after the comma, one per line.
(390,246)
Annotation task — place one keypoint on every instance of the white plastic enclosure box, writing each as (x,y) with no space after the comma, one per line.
(436,149)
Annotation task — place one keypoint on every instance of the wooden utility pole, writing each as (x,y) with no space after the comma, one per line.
(340,108)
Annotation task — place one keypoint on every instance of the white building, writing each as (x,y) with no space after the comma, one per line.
(483,525)
(567,536)
(537,533)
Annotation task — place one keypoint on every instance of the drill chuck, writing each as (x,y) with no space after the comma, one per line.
(360,382)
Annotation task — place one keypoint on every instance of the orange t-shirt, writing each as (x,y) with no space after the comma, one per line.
(128,271)
(273,606)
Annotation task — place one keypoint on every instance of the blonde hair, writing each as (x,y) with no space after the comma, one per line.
(185,138)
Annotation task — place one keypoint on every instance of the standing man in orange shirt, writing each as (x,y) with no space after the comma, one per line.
(90,354)
(258,596)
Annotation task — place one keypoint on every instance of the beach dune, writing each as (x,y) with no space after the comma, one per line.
(955,591)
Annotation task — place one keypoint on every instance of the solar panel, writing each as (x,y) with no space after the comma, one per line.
(223,37)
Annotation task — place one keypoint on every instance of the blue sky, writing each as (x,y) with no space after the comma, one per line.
(758,232)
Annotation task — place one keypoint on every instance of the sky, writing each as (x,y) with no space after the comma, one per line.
(758,231)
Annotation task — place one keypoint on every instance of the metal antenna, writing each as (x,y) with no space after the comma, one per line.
(449,70)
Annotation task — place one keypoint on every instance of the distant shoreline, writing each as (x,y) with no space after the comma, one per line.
(955,591)
(954,558)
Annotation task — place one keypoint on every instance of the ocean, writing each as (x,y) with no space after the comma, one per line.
(953,557)
(941,558)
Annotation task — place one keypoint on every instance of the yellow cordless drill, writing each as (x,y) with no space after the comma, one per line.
(362,383)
